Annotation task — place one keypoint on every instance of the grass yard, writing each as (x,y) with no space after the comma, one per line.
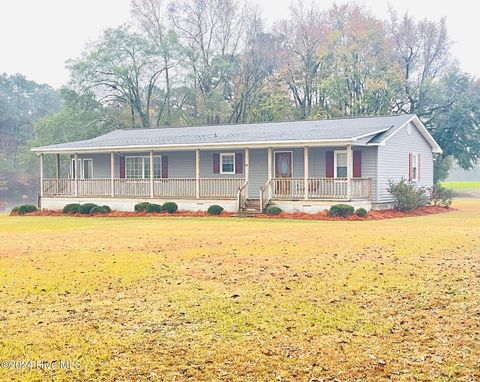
(228,299)
(462,185)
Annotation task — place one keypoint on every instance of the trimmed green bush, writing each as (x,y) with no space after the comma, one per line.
(107,209)
(215,209)
(441,196)
(86,208)
(341,210)
(274,210)
(407,195)
(97,210)
(153,207)
(170,207)
(26,208)
(15,209)
(361,212)
(71,208)
(141,207)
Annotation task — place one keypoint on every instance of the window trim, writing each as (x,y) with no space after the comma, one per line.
(143,157)
(221,163)
(335,153)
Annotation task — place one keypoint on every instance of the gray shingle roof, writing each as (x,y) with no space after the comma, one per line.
(348,129)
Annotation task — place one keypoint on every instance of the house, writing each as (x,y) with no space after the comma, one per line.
(302,166)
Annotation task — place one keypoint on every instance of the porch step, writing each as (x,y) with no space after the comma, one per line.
(250,208)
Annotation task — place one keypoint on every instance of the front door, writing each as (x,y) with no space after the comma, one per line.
(283,172)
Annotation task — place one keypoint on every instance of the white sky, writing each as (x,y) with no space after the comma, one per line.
(38,36)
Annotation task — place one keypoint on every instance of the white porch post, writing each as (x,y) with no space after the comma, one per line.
(75,185)
(247,166)
(41,174)
(349,171)
(58,167)
(112,174)
(197,173)
(270,170)
(305,170)
(151,174)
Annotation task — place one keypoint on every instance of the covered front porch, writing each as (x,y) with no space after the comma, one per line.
(265,175)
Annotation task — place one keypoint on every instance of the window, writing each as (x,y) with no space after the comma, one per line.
(340,166)
(139,167)
(415,165)
(84,168)
(227,163)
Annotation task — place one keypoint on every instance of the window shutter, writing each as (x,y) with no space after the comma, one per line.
(418,166)
(239,163)
(329,164)
(357,164)
(122,167)
(74,168)
(216,163)
(164,166)
(410,166)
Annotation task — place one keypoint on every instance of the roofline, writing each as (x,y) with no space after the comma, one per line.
(423,130)
(205,146)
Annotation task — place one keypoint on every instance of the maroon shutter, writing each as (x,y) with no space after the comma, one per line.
(74,168)
(239,163)
(329,172)
(122,167)
(357,164)
(164,166)
(410,166)
(418,166)
(216,163)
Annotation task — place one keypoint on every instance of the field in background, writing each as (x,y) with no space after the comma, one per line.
(242,299)
(464,189)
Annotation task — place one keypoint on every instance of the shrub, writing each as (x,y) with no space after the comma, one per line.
(341,210)
(152,207)
(26,208)
(170,207)
(361,212)
(141,207)
(97,210)
(407,195)
(441,196)
(15,210)
(85,209)
(274,210)
(215,210)
(107,209)
(71,208)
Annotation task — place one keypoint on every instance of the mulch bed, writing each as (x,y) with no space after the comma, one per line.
(372,215)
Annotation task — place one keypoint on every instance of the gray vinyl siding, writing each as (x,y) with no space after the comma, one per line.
(393,160)
(258,172)
(206,164)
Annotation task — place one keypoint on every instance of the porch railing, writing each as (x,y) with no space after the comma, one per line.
(318,188)
(126,187)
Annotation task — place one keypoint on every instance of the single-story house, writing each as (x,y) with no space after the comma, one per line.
(304,166)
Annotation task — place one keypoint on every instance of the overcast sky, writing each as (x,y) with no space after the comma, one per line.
(37,37)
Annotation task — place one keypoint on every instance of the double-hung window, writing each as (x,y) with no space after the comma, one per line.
(138,167)
(340,164)
(414,172)
(84,168)
(227,163)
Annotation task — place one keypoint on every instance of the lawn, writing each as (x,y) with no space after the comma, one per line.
(230,299)
(462,185)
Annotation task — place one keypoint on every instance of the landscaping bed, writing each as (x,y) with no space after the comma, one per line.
(372,215)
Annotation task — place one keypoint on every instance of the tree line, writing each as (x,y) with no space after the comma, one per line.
(214,61)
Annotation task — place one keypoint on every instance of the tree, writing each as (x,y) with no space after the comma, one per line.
(121,67)
(210,32)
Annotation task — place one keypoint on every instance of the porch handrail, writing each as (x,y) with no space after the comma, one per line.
(265,194)
(241,195)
